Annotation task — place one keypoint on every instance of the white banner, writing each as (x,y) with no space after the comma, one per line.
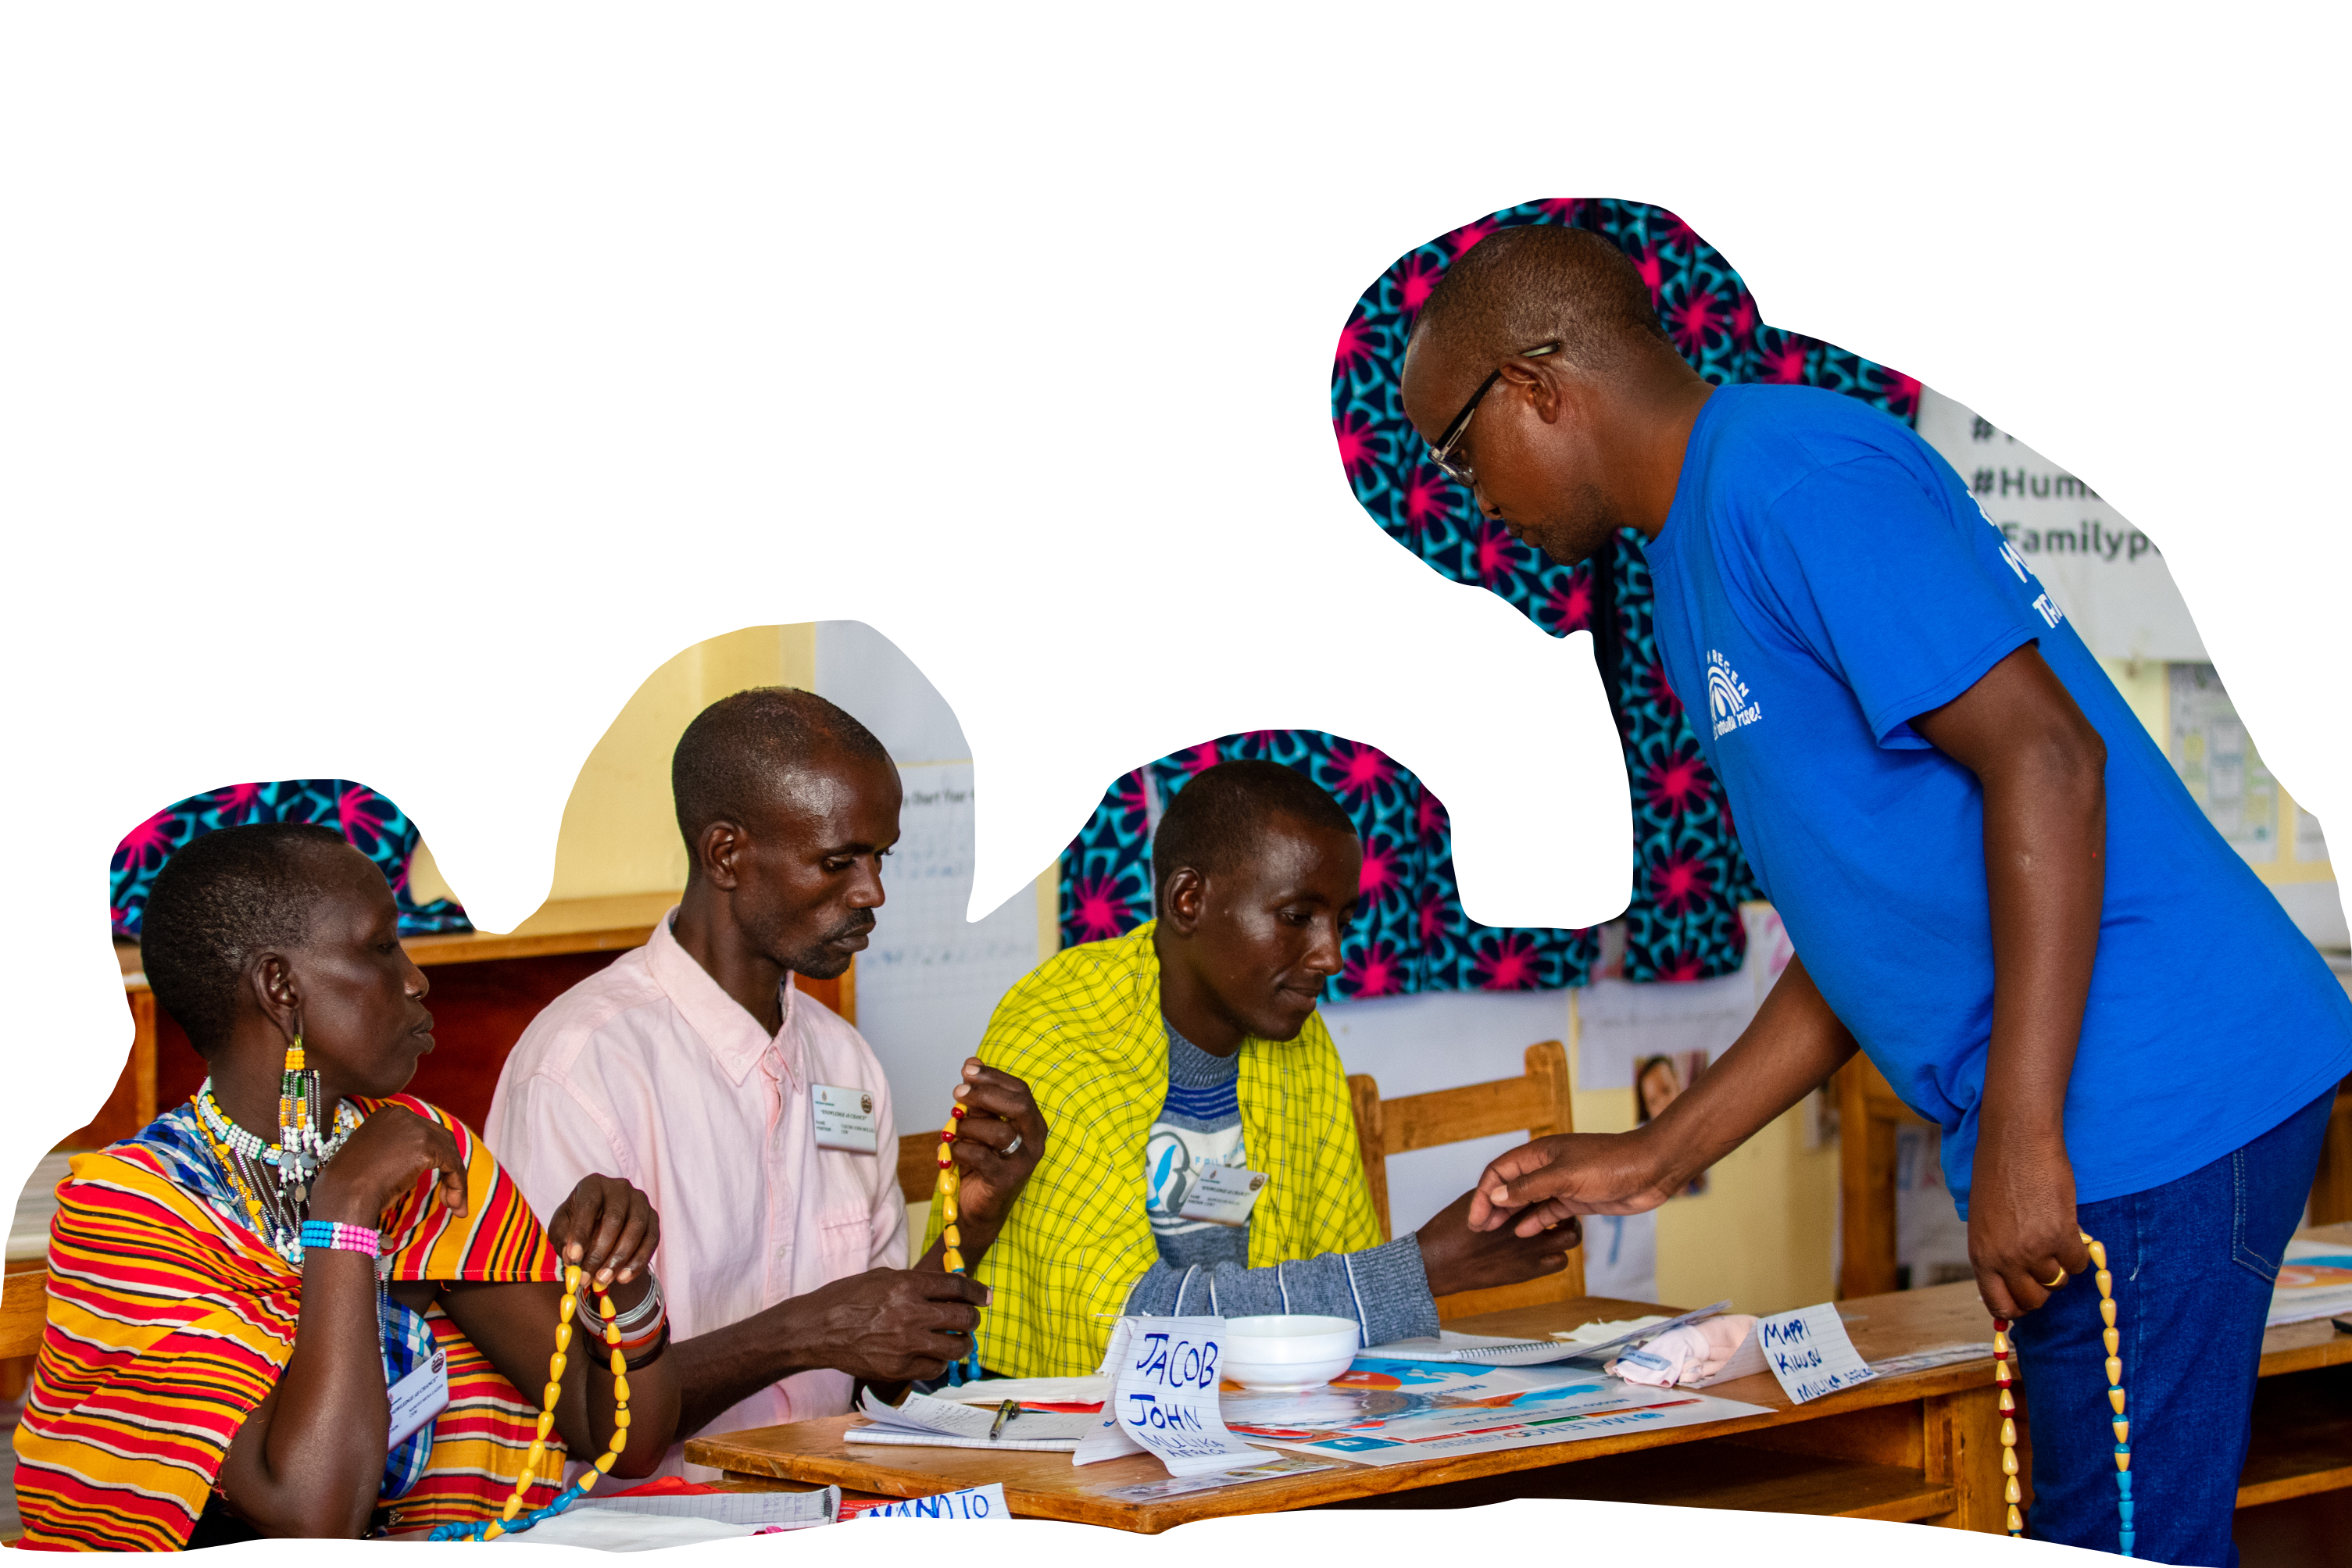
(2153,398)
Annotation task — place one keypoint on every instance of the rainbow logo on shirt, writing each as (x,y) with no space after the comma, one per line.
(1727,696)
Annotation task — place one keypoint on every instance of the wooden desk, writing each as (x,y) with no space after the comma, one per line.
(479,1012)
(1924,1448)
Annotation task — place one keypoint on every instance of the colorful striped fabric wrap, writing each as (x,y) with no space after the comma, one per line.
(170,1320)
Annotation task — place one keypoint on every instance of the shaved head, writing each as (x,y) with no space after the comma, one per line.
(1539,283)
(739,751)
(1540,364)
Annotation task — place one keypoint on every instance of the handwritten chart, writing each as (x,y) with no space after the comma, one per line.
(925,523)
(958,925)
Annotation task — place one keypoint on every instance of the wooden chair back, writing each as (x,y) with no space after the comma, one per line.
(24,1313)
(918,1166)
(1538,1105)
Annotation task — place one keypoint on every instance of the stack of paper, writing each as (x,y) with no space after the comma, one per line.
(775,1510)
(606,1530)
(1487,1350)
(2315,1282)
(926,1423)
(994,1391)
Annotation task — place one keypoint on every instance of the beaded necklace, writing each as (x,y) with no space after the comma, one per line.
(951,1256)
(2003,1375)
(512,1520)
(272,1180)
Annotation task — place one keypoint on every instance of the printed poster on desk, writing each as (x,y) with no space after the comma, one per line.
(1394,1412)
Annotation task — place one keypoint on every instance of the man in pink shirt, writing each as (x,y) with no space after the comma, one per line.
(756,1121)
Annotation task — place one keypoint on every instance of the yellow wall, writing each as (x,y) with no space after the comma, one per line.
(622,473)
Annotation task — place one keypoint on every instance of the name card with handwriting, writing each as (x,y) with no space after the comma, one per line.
(1808,1352)
(1163,1398)
(967,1529)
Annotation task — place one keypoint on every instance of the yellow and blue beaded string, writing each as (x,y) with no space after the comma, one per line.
(951,1256)
(2112,1338)
(512,1520)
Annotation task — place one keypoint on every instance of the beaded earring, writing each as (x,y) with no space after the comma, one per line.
(294,1096)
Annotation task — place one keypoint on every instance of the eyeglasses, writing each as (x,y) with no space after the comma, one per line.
(1442,453)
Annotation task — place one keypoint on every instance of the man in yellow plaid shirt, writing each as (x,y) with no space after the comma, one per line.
(1202,1155)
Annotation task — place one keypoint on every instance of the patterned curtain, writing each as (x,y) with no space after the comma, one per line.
(1256,560)
(269,621)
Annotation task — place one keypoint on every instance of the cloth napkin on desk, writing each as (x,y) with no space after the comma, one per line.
(1694,1354)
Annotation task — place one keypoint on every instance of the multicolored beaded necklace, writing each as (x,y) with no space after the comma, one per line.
(512,1520)
(273,1180)
(2004,1377)
(951,1256)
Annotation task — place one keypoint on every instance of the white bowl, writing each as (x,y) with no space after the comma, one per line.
(1287,1353)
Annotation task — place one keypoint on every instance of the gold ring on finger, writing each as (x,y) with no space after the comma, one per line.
(2053,1284)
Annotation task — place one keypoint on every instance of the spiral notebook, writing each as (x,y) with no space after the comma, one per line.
(922,1422)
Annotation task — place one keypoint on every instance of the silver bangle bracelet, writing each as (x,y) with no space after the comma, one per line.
(649,1307)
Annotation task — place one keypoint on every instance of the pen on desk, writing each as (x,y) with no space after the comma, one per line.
(1004,1412)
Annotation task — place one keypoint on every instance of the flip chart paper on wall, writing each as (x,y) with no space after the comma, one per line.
(967,1529)
(1810,1353)
(2150,398)
(2216,758)
(909,282)
(929,981)
(925,525)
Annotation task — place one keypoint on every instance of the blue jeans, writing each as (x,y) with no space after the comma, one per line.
(2193,1263)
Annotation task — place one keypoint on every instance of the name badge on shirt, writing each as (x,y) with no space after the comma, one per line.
(1222,1194)
(845,1118)
(419,1396)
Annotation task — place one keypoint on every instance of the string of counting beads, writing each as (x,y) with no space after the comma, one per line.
(512,1520)
(2004,1377)
(950,1239)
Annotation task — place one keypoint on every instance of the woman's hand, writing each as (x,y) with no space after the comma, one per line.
(608,1227)
(389,1151)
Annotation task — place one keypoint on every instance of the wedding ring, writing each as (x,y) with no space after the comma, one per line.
(1012,1148)
(2053,1284)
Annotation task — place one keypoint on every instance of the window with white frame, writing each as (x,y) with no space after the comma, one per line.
(62,278)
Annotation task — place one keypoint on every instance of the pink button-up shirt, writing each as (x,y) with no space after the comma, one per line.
(649,1071)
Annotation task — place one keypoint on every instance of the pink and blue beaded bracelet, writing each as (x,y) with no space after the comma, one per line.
(332,1237)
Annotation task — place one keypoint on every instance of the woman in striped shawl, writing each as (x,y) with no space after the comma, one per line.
(214,1368)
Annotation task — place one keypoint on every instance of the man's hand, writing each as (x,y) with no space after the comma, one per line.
(886,1325)
(2022,1229)
(1000,1115)
(1545,1182)
(1456,1258)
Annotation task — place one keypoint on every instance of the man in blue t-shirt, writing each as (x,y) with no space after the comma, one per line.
(1995,883)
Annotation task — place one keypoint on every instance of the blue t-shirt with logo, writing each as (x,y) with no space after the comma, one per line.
(1823,579)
